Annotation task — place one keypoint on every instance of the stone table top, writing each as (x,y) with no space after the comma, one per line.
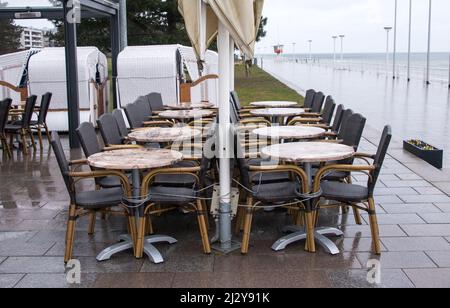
(274,104)
(308,152)
(290,132)
(193,105)
(160,135)
(185,114)
(131,159)
(277,112)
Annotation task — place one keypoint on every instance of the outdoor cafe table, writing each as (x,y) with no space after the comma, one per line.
(274,104)
(190,106)
(290,132)
(185,115)
(276,114)
(135,160)
(163,134)
(307,153)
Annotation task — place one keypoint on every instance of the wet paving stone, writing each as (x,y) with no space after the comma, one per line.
(410,208)
(399,260)
(51,281)
(15,248)
(364,231)
(134,280)
(427,230)
(416,244)
(26,265)
(8,281)
(441,258)
(439,218)
(358,279)
(430,278)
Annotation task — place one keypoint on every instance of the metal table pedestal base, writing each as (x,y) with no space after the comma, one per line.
(300,234)
(126,243)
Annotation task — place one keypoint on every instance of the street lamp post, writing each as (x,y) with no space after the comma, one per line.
(429,43)
(388,29)
(310,50)
(394,56)
(293,49)
(334,48)
(409,42)
(342,47)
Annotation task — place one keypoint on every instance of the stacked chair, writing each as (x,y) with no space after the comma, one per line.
(41,122)
(5,105)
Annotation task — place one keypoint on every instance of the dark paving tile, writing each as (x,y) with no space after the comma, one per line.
(444,207)
(443,186)
(411,183)
(427,190)
(427,230)
(356,245)
(80,249)
(430,174)
(321,260)
(409,176)
(394,219)
(430,278)
(390,278)
(441,258)
(2,259)
(410,208)
(37,214)
(364,231)
(391,199)
(399,260)
(270,279)
(8,281)
(14,248)
(394,191)
(32,265)
(416,244)
(134,280)
(118,264)
(19,236)
(438,218)
(250,262)
(425,199)
(51,281)
(180,263)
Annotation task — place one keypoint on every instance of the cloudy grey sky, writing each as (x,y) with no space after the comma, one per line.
(362,22)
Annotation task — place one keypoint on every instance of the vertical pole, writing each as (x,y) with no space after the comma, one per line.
(231,64)
(394,59)
(387,48)
(202,31)
(115,50)
(223,43)
(429,43)
(334,49)
(123,24)
(73,110)
(310,50)
(409,42)
(342,47)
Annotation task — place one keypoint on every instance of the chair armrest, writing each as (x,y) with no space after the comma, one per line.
(284,168)
(255,121)
(346,168)
(78,162)
(158,123)
(113,147)
(332,141)
(146,181)
(103,173)
(304,120)
(364,155)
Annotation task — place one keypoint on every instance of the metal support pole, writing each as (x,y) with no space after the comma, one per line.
(409,42)
(225,140)
(73,110)
(232,64)
(342,47)
(123,24)
(334,49)
(429,43)
(115,50)
(394,56)
(387,47)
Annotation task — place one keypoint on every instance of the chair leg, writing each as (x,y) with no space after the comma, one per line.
(201,215)
(39,132)
(310,240)
(357,215)
(205,208)
(6,147)
(374,227)
(140,238)
(239,226)
(149,226)
(24,142)
(247,228)
(33,143)
(92,221)
(299,218)
(47,132)
(70,233)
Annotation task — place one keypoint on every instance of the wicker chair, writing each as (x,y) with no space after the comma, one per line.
(5,105)
(360,197)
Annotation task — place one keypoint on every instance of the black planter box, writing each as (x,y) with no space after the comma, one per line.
(433,157)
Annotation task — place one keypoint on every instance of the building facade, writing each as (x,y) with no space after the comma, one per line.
(33,38)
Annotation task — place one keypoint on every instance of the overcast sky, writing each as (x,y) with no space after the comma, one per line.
(362,21)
